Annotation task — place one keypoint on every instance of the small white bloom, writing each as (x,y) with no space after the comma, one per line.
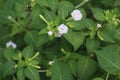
(10,43)
(76,15)
(50,33)
(62,29)
(99,25)
(9,17)
(50,62)
(58,35)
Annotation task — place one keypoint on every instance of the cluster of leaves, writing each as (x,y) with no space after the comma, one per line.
(85,52)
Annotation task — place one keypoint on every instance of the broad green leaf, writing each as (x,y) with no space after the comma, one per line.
(8,68)
(88,23)
(37,24)
(111,28)
(43,3)
(91,25)
(75,38)
(4,33)
(20,9)
(42,39)
(8,6)
(31,37)
(49,15)
(8,53)
(35,12)
(107,33)
(117,35)
(76,25)
(60,71)
(73,67)
(85,68)
(105,36)
(15,30)
(20,74)
(57,20)
(98,14)
(17,55)
(109,58)
(92,44)
(53,4)
(28,52)
(21,64)
(2,58)
(32,73)
(64,8)
(107,3)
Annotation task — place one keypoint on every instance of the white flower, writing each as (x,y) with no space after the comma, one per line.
(9,17)
(50,62)
(99,25)
(50,33)
(58,35)
(10,43)
(76,15)
(62,29)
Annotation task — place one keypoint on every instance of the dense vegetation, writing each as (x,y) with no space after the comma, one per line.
(59,39)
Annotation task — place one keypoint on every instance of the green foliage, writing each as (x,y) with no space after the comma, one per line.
(75,38)
(59,39)
(60,71)
(108,62)
(83,71)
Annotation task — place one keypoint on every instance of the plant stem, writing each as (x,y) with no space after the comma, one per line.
(69,19)
(44,19)
(42,70)
(118,20)
(82,3)
(35,56)
(107,76)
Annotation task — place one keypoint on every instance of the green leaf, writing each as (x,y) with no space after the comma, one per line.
(64,8)
(85,68)
(42,39)
(92,44)
(31,37)
(35,12)
(2,58)
(19,8)
(110,27)
(43,3)
(76,25)
(20,74)
(53,4)
(109,58)
(98,14)
(21,64)
(28,52)
(49,15)
(88,23)
(16,56)
(8,68)
(117,34)
(105,36)
(60,71)
(75,38)
(8,53)
(32,73)
(73,67)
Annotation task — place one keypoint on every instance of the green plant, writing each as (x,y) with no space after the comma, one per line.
(59,40)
